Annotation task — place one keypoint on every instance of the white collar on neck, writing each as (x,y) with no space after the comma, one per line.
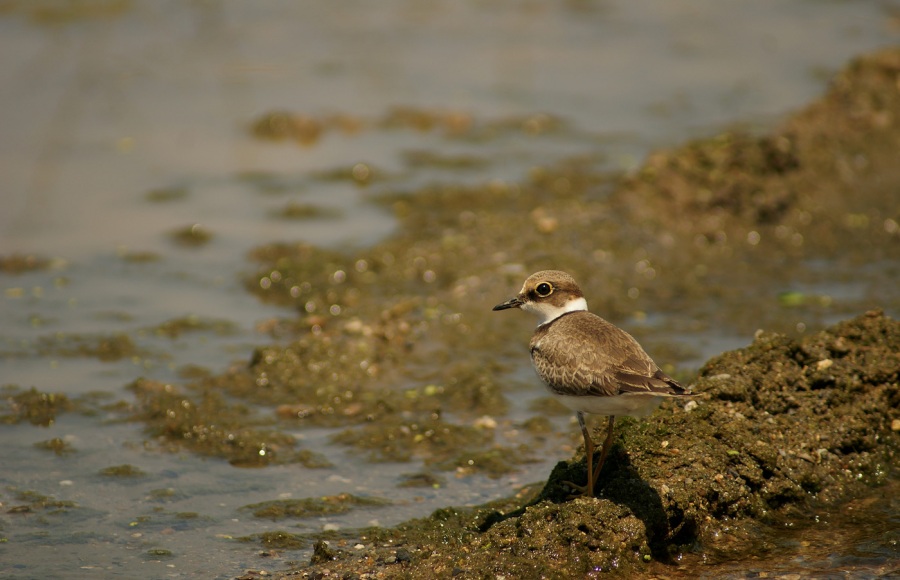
(548,313)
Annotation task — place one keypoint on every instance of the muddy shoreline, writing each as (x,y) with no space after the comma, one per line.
(783,428)
(394,349)
(248,287)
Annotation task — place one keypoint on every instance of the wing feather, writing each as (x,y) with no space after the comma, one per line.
(580,354)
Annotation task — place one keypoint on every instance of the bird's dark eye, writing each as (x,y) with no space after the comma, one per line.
(543,289)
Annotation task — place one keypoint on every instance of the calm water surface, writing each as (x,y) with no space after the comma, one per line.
(124,121)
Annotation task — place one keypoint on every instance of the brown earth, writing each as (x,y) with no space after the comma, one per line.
(780,429)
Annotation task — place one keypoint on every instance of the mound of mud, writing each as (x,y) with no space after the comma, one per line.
(778,430)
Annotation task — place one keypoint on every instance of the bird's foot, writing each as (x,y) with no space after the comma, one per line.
(583,490)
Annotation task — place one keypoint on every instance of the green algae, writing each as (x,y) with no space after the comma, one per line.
(308,130)
(36,407)
(107,348)
(139,256)
(192,323)
(322,553)
(21,263)
(306,371)
(192,236)
(56,445)
(361,174)
(311,459)
(538,425)
(431,159)
(282,125)
(32,501)
(208,425)
(398,439)
(470,388)
(423,479)
(494,463)
(280,540)
(42,408)
(122,471)
(165,494)
(55,13)
(304,211)
(160,520)
(311,507)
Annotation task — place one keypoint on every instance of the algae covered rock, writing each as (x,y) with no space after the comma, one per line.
(778,430)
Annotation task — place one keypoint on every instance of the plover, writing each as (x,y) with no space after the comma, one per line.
(587,363)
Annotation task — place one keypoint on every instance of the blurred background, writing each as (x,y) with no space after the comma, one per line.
(143,155)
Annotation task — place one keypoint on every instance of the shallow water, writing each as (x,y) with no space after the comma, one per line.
(125,121)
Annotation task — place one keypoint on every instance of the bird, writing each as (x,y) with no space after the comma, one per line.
(587,363)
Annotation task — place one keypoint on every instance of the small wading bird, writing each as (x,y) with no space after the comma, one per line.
(587,363)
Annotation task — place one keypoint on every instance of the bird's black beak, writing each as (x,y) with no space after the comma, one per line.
(512,303)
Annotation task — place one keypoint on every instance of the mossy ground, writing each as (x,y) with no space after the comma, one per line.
(769,442)
(399,335)
(311,507)
(779,428)
(395,348)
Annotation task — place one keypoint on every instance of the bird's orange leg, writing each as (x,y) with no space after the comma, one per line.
(587,490)
(603,453)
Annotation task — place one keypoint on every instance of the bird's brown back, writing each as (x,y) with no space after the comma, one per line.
(581,354)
